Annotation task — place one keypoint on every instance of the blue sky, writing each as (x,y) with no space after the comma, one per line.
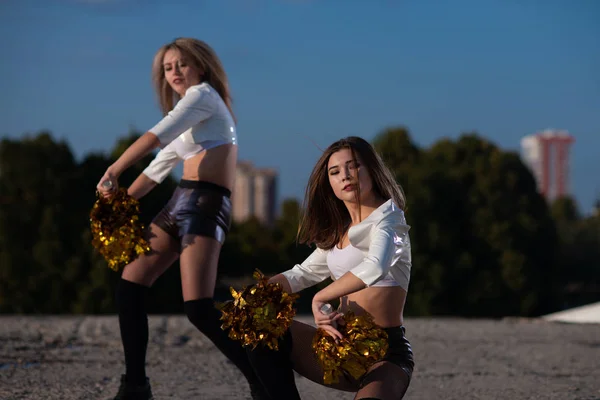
(306,71)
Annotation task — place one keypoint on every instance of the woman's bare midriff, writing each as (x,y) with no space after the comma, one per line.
(216,165)
(385,304)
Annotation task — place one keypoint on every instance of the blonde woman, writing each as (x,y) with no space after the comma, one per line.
(199,129)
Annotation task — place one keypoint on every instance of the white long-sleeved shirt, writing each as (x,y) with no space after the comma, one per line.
(382,237)
(199,121)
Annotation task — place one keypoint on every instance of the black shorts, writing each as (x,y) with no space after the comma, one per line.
(399,353)
(197,208)
(399,350)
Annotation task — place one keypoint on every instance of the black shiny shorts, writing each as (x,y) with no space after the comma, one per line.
(399,353)
(399,350)
(197,208)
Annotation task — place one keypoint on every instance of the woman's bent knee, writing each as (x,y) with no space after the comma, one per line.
(147,268)
(143,271)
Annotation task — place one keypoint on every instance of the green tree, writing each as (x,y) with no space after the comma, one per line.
(47,262)
(484,242)
(579,256)
(482,236)
(37,179)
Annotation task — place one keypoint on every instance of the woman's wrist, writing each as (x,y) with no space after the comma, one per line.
(320,298)
(114,170)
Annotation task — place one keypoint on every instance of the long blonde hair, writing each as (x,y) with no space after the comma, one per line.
(204,58)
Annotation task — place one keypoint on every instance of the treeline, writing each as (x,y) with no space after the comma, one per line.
(485,243)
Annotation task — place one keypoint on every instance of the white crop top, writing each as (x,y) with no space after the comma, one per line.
(384,242)
(200,121)
(343,260)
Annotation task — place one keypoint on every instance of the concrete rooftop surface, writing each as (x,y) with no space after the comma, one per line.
(80,357)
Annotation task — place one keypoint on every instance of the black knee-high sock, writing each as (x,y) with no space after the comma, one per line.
(133,322)
(203,314)
(274,369)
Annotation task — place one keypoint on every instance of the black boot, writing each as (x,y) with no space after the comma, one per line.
(131,391)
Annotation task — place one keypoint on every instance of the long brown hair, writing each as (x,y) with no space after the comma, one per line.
(203,57)
(325,218)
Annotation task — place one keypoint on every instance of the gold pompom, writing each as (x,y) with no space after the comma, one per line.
(117,232)
(259,314)
(363,344)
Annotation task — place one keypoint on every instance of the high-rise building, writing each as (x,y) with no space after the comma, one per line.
(242,195)
(254,194)
(546,153)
